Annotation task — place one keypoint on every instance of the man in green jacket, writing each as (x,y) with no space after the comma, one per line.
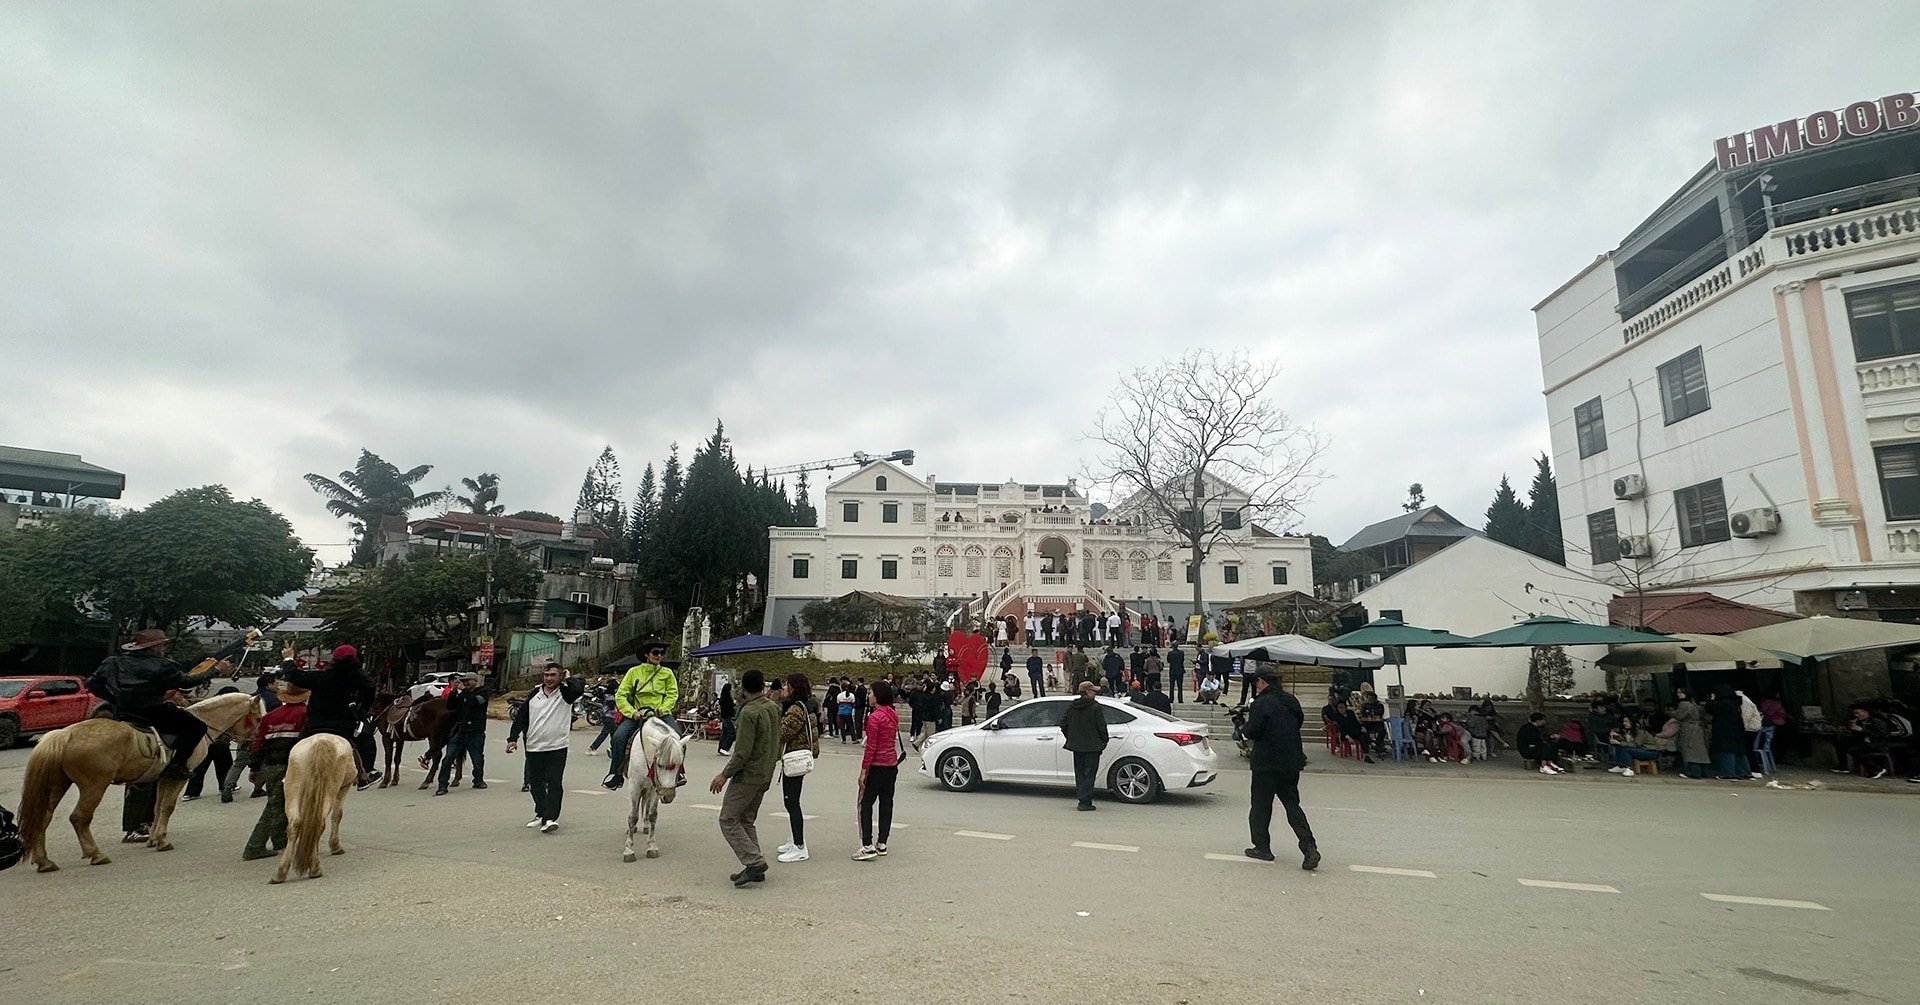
(648,690)
(747,776)
(1085,726)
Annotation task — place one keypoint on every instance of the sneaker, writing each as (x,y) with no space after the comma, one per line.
(255,854)
(364,784)
(134,837)
(482,785)
(785,847)
(1840,771)
(1259,853)
(1914,780)
(535,822)
(1311,860)
(1882,773)
(612,782)
(1616,769)
(726,753)
(440,792)
(1626,772)
(226,795)
(865,854)
(794,854)
(880,849)
(188,799)
(549,827)
(523,787)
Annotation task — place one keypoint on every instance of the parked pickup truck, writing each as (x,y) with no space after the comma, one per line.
(33,705)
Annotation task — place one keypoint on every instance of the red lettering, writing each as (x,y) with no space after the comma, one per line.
(1732,151)
(1822,128)
(1897,111)
(1776,140)
(1861,118)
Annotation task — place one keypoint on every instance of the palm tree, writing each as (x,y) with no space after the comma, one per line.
(484,490)
(372,490)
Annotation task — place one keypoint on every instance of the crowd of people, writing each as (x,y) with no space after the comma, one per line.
(1086,628)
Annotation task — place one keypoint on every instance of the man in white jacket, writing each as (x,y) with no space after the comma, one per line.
(546,720)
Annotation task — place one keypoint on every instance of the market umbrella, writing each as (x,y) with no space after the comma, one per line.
(1552,630)
(1296,649)
(1819,637)
(1394,632)
(1689,648)
(749,644)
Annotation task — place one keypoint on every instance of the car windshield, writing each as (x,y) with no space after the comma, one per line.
(9,688)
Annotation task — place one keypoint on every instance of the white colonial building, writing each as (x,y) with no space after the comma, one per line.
(1012,547)
(1734,391)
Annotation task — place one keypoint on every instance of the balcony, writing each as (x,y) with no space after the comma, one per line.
(1896,374)
(1785,244)
(1904,539)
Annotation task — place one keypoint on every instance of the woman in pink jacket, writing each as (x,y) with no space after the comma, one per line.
(879,770)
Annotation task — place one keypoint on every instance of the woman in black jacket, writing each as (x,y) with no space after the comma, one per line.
(1729,740)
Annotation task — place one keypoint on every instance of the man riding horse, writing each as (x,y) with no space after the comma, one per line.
(649,690)
(136,683)
(341,699)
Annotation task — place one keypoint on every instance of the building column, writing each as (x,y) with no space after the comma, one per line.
(1821,423)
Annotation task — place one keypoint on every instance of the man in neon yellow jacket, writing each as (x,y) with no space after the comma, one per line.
(648,690)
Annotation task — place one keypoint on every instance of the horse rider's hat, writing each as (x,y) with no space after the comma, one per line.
(145,638)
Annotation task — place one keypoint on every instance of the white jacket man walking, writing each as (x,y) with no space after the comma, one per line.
(545,719)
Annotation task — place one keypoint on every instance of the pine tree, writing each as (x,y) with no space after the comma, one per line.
(1416,498)
(646,502)
(1507,517)
(599,500)
(1543,514)
(803,511)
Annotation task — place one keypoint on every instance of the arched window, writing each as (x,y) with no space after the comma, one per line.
(1137,559)
(919,563)
(1110,564)
(1003,563)
(976,557)
(943,561)
(880,484)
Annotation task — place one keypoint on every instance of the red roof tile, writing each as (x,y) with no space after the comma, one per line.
(1698,613)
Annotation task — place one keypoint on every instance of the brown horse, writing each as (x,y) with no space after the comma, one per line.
(321,771)
(400,721)
(96,753)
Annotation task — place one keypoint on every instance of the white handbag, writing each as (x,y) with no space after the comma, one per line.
(795,763)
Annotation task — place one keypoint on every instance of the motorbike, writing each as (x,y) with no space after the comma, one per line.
(588,708)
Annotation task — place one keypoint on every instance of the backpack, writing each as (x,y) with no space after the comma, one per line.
(1750,715)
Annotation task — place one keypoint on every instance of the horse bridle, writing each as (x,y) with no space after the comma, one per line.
(652,765)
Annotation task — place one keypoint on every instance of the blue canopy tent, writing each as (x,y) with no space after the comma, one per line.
(741,644)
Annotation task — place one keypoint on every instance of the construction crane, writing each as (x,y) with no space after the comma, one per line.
(856,458)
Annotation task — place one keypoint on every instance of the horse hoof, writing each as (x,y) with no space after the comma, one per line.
(276,881)
(653,853)
(627,857)
(163,846)
(337,851)
(50,867)
(102,860)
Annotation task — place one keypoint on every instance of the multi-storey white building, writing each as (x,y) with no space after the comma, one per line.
(1734,391)
(1023,545)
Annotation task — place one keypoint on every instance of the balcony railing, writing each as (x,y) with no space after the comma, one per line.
(1889,374)
(1904,540)
(1781,245)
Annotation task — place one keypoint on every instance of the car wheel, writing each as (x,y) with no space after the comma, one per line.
(1134,781)
(956,771)
(9,732)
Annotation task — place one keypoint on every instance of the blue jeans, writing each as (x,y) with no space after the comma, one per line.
(1623,757)
(473,744)
(1732,765)
(623,735)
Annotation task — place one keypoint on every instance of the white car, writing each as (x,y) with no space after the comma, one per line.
(1147,751)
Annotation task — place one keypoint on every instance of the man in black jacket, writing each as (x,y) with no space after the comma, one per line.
(136,683)
(1036,668)
(468,705)
(341,698)
(1115,668)
(1177,669)
(1085,726)
(1273,727)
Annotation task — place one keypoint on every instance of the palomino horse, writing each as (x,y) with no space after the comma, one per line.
(400,720)
(321,771)
(653,768)
(96,753)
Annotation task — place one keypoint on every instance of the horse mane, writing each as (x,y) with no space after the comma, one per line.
(673,742)
(222,711)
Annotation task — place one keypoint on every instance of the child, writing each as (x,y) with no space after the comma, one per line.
(1477,727)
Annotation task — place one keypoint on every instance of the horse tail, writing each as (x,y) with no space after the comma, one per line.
(45,784)
(306,794)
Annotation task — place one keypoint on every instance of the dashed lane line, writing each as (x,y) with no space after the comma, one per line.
(590,792)
(1214,856)
(1096,846)
(1390,871)
(1728,898)
(984,835)
(1552,884)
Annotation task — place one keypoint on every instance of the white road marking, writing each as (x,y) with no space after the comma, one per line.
(988,835)
(1096,846)
(1727,898)
(590,792)
(1549,884)
(1217,857)
(705,806)
(783,814)
(1336,809)
(1389,871)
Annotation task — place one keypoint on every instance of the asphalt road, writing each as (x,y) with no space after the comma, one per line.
(1434,889)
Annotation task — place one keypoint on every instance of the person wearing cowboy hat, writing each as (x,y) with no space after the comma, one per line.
(268,752)
(136,681)
(1273,729)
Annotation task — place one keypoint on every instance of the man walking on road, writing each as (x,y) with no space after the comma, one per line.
(545,719)
(268,751)
(1035,667)
(1085,726)
(468,705)
(1273,726)
(747,776)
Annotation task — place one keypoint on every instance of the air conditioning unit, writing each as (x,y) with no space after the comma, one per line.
(1636,546)
(1755,522)
(1629,487)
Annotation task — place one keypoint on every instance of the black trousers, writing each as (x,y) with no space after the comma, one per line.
(219,760)
(172,720)
(546,779)
(1180,687)
(1284,785)
(1039,687)
(362,743)
(1086,764)
(878,792)
(790,792)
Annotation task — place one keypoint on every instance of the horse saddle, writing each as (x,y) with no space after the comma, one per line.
(154,746)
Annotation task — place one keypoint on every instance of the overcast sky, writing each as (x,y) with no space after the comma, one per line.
(244,242)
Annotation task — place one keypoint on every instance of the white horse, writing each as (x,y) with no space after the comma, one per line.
(653,771)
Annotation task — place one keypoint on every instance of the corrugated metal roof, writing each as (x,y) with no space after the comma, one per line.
(1414,524)
(1696,613)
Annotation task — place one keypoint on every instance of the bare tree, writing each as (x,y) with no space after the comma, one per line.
(1196,448)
